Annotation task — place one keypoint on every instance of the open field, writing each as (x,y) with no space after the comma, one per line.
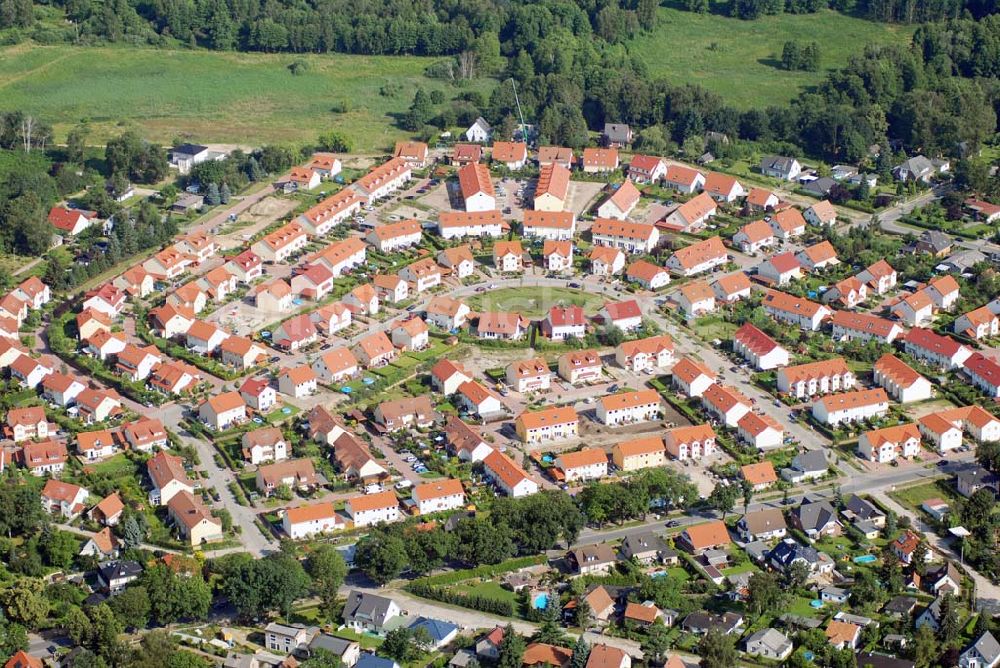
(533,302)
(739,59)
(209,96)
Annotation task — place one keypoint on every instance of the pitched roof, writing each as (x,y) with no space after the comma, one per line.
(700,252)
(640,446)
(755,339)
(622,228)
(761,473)
(509,151)
(553,179)
(836,366)
(899,371)
(782,301)
(708,534)
(585,457)
(821,252)
(556,220)
(475,178)
(857,398)
(548,417)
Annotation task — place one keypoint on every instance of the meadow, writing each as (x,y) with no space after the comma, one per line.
(740,59)
(223,97)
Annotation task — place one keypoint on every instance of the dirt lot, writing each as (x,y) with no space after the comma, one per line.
(922,408)
(253,220)
(582,195)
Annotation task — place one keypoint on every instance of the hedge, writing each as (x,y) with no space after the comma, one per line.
(484,571)
(495,606)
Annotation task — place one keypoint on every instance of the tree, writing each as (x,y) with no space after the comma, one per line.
(723,497)
(58,548)
(657,641)
(132,606)
(271,584)
(420,111)
(133,530)
(950,623)
(213,198)
(581,650)
(336,142)
(511,649)
(747,490)
(796,574)
(481,541)
(401,645)
(13,637)
(24,602)
(925,648)
(381,556)
(765,593)
(173,596)
(321,658)
(224,193)
(717,650)
(919,558)
(76,144)
(582,614)
(327,569)
(77,625)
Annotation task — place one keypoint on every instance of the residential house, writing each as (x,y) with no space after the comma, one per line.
(890,443)
(629,407)
(551,192)
(64,499)
(547,424)
(853,406)
(812,378)
(508,476)
(763,352)
(222,411)
(780,167)
(639,453)
(581,366)
(627,236)
(690,442)
(683,179)
(648,354)
(691,377)
(586,464)
(766,524)
(606,261)
(699,257)
(696,299)
(760,431)
(558,256)
(553,225)
(692,215)
(900,380)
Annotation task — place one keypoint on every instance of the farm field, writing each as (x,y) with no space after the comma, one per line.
(533,302)
(205,96)
(739,59)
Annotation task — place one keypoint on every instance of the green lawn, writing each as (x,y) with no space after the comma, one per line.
(488,589)
(714,327)
(679,573)
(213,97)
(739,59)
(800,606)
(917,494)
(535,301)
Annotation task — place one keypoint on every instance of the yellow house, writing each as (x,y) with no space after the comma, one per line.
(192,520)
(552,188)
(641,453)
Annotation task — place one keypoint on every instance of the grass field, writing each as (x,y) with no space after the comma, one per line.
(208,96)
(533,302)
(739,59)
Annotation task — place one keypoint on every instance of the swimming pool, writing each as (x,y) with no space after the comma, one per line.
(865,559)
(816,603)
(541,601)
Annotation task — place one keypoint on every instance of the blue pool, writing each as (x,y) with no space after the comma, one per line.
(541,601)
(808,656)
(548,459)
(816,603)
(865,559)
(658,574)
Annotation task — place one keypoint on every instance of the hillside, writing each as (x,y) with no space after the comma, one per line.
(739,59)
(213,96)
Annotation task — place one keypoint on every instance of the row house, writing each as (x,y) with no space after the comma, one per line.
(880,277)
(646,168)
(476,188)
(649,354)
(438,496)
(551,192)
(508,256)
(554,225)
(980,323)
(510,478)
(853,406)
(692,215)
(696,299)
(564,322)
(727,404)
(383,180)
(984,373)
(548,424)
(586,464)
(639,453)
(247,267)
(223,411)
(422,275)
(338,208)
(391,237)
(754,237)
(698,258)
(691,377)
(558,256)
(886,445)
(447,313)
(606,261)
(44,457)
(945,429)
(410,334)
(683,179)
(900,381)
(934,349)
(821,214)
(621,202)
(313,282)
(341,257)
(648,275)
(810,379)
(484,223)
(501,326)
(732,287)
(581,366)
(760,431)
(458,261)
(406,413)
(283,243)
(818,256)
(629,408)
(798,311)
(627,236)
(371,509)
(692,442)
(759,349)
(311,520)
(864,327)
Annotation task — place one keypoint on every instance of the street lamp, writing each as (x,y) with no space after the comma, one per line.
(960,532)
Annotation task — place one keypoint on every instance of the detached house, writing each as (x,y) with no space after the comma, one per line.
(683,179)
(655,352)
(699,257)
(621,202)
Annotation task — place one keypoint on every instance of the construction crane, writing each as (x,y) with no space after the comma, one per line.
(520,115)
